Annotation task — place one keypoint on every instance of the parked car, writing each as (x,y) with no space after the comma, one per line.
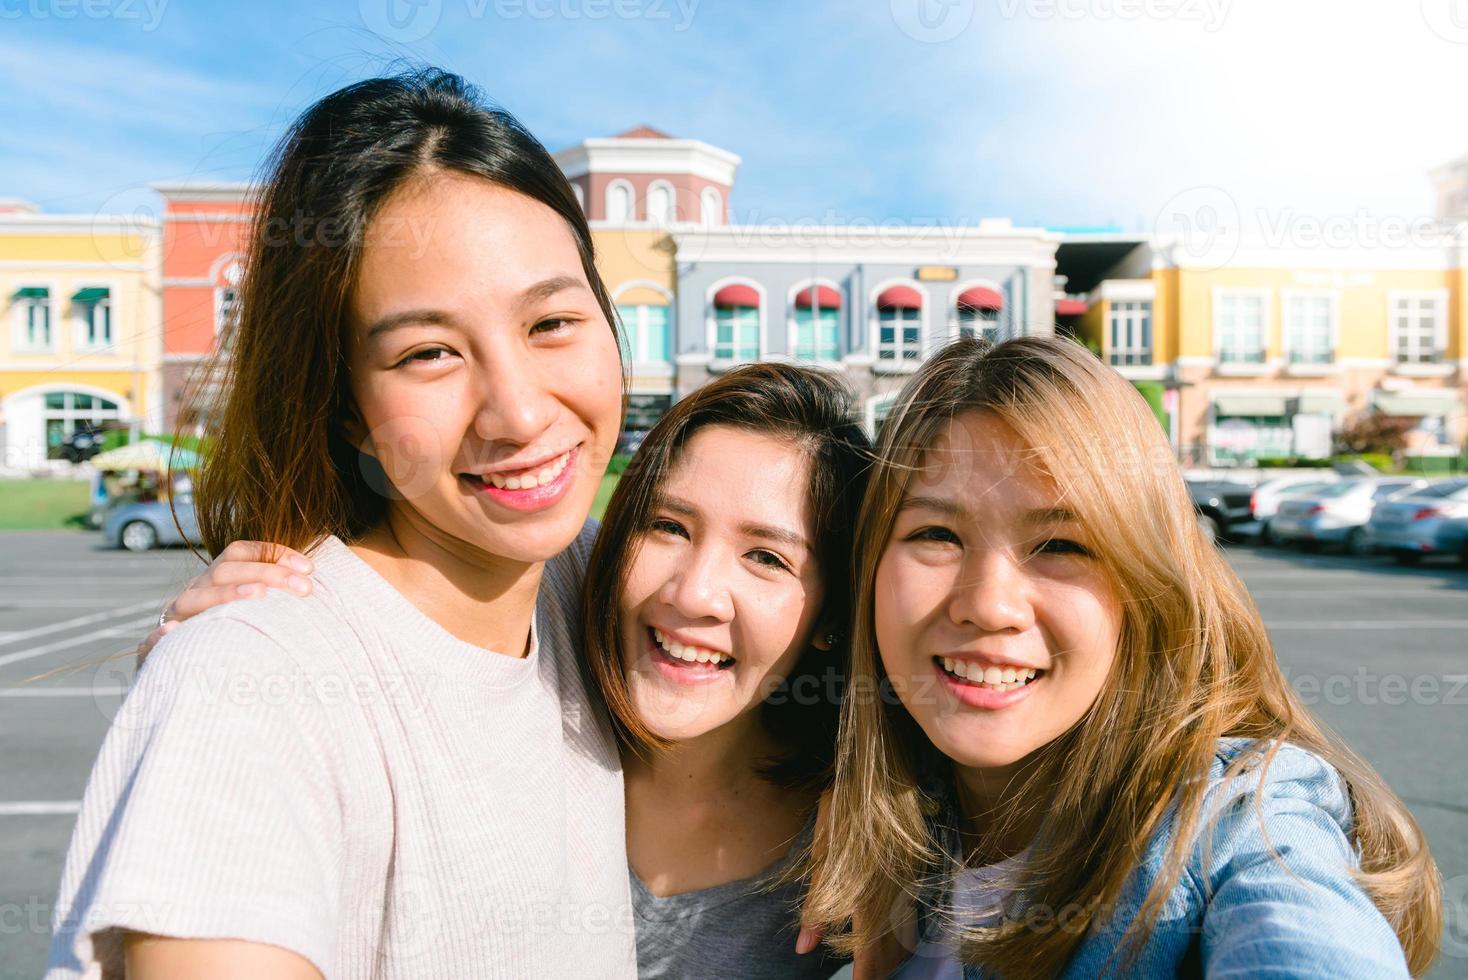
(1422,522)
(1268,495)
(1221,506)
(145,526)
(1338,514)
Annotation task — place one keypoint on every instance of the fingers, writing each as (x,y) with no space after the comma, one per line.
(198,598)
(263,552)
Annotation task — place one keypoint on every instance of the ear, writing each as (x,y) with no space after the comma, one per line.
(826,637)
(354,428)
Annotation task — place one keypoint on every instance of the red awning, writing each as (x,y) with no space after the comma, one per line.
(980,298)
(736,295)
(1070,307)
(825,296)
(900,298)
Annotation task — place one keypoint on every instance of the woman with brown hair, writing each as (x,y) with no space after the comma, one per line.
(715,607)
(401,775)
(1083,758)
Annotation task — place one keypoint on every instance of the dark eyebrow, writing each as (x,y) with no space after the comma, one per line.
(534,294)
(685,509)
(547,288)
(394,320)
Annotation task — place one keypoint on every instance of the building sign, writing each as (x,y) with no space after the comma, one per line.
(937,273)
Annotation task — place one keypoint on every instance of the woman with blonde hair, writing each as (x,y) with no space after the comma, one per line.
(1067,748)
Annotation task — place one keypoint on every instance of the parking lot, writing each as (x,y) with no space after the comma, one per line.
(1380,651)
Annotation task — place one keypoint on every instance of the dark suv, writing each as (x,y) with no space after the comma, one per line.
(1220,505)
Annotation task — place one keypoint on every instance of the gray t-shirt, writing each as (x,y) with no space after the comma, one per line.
(745,929)
(341,777)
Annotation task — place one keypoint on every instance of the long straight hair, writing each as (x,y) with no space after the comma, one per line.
(280,467)
(812,410)
(1193,665)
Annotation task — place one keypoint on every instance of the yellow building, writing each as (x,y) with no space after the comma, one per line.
(636,263)
(80,345)
(1266,351)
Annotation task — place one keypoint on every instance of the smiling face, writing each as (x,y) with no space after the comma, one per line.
(485,376)
(724,589)
(994,622)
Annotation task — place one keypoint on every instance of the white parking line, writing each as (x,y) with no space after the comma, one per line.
(130,629)
(8,638)
(60,692)
(30,809)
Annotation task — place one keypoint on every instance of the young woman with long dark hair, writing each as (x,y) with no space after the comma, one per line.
(401,775)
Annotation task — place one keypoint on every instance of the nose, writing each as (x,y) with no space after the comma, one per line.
(697,589)
(992,593)
(516,402)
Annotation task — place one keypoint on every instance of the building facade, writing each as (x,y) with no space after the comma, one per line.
(1268,352)
(205,229)
(80,347)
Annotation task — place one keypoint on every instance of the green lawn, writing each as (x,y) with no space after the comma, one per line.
(603,494)
(42,504)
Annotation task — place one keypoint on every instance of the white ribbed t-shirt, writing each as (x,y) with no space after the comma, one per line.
(341,777)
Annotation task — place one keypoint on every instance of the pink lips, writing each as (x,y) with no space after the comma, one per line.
(536,498)
(679,671)
(978,696)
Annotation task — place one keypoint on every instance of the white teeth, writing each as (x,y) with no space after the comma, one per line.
(529,481)
(997,678)
(689,654)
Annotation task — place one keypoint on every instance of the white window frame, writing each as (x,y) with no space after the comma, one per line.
(1290,297)
(637,333)
(81,322)
(898,364)
(711,319)
(954,331)
(792,329)
(620,185)
(1133,321)
(19,312)
(669,215)
(711,207)
(580,195)
(1439,363)
(1266,329)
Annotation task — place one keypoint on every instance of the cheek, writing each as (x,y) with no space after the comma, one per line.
(414,431)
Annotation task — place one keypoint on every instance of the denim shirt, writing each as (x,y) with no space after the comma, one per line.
(1239,910)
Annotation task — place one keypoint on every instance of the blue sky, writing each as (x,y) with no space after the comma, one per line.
(1062,112)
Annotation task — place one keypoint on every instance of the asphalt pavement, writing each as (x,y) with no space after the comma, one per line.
(1380,651)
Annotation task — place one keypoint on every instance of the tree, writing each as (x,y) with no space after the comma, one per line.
(1374,433)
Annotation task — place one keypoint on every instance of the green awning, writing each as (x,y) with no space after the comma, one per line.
(1322,403)
(1416,404)
(92,294)
(31,292)
(1248,404)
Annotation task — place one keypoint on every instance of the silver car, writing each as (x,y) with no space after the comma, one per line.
(1267,496)
(1422,522)
(144,526)
(1338,514)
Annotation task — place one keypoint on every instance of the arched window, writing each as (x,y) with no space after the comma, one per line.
(580,196)
(227,303)
(661,201)
(899,325)
(737,323)
(619,201)
(817,323)
(647,323)
(711,206)
(64,412)
(978,311)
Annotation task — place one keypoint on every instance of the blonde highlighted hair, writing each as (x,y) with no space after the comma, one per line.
(1193,665)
